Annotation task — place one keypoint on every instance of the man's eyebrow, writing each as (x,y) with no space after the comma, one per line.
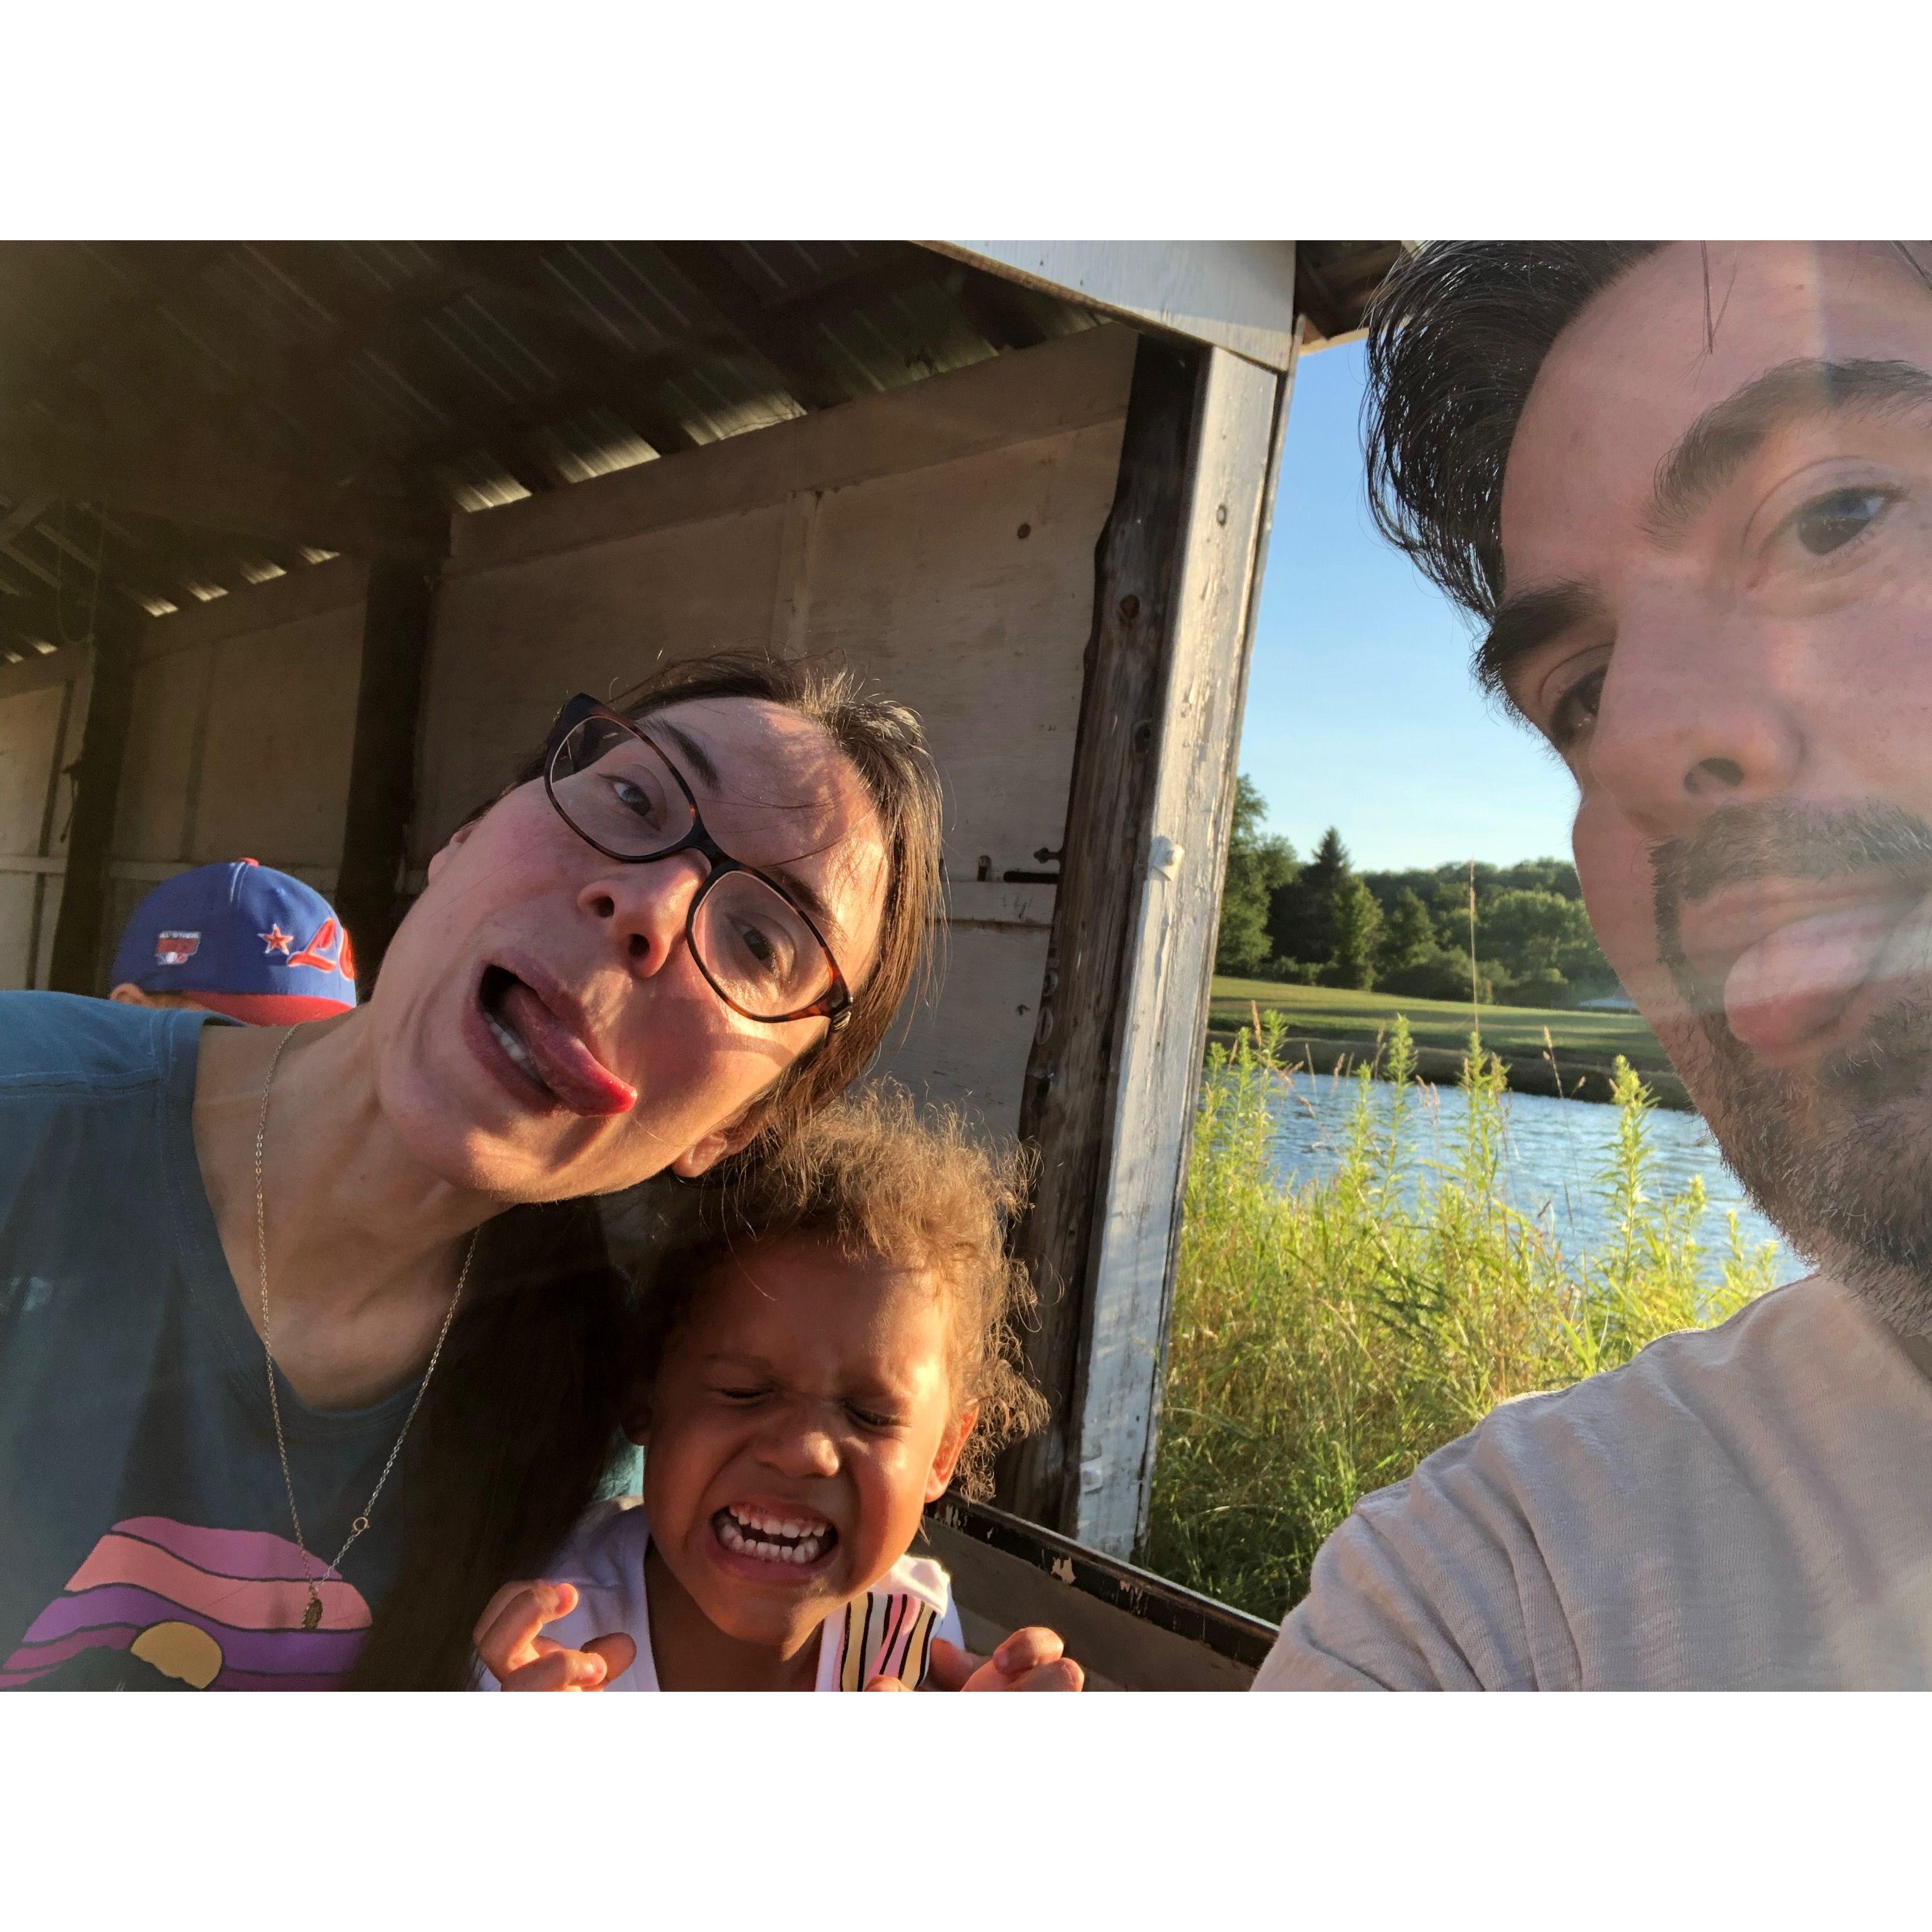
(1523,625)
(1718,444)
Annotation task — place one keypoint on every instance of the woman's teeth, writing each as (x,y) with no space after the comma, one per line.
(513,1046)
(797,1539)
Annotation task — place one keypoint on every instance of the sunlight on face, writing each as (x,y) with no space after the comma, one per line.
(808,1391)
(541,1030)
(1717,528)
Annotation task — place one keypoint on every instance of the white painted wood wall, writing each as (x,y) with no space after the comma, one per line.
(889,529)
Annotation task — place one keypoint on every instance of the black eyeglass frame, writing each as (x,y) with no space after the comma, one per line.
(834,1005)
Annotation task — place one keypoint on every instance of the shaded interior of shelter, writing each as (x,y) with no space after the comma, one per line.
(260,407)
(358,516)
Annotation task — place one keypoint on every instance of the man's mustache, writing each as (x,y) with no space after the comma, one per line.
(1780,839)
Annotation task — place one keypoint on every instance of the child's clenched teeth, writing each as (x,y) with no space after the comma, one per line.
(795,1538)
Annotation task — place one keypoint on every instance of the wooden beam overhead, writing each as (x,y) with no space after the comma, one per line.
(599,370)
(780,340)
(23,515)
(152,273)
(995,308)
(190,476)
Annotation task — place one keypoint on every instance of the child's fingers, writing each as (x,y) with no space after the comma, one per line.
(887,1684)
(506,1632)
(561,1670)
(1027,1649)
(1062,1674)
(619,1653)
(949,1666)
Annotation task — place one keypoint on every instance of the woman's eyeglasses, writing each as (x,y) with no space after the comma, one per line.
(761,952)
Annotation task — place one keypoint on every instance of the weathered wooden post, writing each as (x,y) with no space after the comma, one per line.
(1114,1073)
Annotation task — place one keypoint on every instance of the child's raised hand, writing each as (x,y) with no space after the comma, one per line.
(508,1639)
(1033,1659)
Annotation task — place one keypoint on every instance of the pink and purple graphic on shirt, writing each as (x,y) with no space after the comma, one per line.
(159,1605)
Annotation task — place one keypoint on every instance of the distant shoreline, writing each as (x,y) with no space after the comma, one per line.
(1442,1067)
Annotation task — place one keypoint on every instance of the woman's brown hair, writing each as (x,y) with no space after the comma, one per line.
(523,1426)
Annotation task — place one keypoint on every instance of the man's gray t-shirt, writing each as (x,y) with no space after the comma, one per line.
(145,1540)
(1747,1507)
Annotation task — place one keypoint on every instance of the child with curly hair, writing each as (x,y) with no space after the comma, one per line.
(829,1345)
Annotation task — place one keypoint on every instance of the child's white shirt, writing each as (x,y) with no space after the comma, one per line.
(886,1633)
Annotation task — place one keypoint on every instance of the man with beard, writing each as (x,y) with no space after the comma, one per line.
(1688,489)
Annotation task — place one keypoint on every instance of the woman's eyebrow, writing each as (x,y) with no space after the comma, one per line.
(808,898)
(695,755)
(797,887)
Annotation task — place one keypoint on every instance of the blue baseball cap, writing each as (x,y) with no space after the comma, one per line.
(242,940)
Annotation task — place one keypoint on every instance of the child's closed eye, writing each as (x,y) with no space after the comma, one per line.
(871,1418)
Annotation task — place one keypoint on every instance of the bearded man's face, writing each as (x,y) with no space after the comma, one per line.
(1716,532)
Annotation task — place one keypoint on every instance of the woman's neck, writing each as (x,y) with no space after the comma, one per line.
(689,1652)
(364,1244)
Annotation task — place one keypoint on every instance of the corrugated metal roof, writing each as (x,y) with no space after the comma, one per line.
(397,380)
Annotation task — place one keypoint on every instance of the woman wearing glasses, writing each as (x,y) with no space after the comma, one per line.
(304,1335)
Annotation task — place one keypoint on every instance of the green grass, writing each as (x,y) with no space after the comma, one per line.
(1327,1012)
(1326,1338)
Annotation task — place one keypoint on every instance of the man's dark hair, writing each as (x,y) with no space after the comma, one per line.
(1456,336)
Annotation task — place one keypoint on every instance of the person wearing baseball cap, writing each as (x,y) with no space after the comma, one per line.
(240,939)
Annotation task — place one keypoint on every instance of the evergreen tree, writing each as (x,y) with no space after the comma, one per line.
(1301,913)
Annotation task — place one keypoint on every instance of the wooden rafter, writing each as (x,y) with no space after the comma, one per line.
(190,476)
(152,273)
(601,371)
(778,339)
(995,307)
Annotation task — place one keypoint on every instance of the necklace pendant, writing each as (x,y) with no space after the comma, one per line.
(312,1616)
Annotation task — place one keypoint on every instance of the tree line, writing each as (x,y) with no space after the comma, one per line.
(1320,923)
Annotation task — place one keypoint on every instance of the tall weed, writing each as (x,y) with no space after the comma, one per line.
(1326,1337)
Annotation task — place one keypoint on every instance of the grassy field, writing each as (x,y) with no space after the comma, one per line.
(1325,1013)
(1325,1339)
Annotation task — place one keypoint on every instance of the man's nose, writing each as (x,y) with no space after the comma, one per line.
(646,907)
(1693,717)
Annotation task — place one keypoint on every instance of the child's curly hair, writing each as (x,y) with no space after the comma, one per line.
(869,1176)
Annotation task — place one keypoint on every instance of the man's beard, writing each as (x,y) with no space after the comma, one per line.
(1839,1157)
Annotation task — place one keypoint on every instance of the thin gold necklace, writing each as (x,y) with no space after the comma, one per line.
(312,1615)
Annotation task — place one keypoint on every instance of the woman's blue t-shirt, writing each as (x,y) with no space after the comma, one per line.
(145,1539)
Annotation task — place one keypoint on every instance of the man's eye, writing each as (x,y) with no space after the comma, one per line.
(1576,709)
(1829,522)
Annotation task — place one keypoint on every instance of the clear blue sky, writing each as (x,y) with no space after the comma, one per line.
(1361,713)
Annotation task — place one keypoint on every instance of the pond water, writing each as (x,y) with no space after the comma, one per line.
(1556,1152)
